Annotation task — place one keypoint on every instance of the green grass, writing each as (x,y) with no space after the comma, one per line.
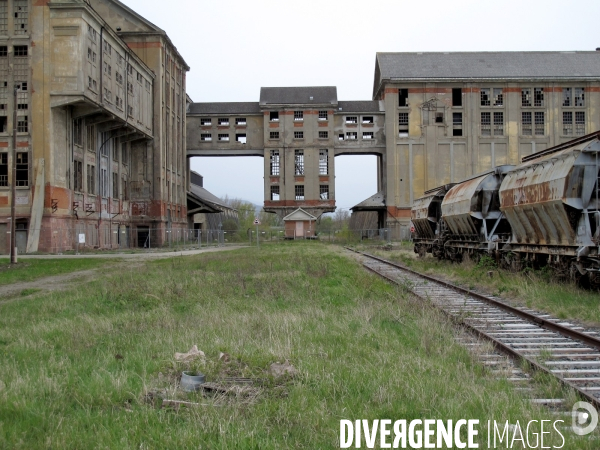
(535,289)
(89,368)
(30,269)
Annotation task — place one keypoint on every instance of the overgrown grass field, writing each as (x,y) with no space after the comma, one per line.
(91,367)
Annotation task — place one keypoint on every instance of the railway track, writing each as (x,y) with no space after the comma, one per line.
(567,352)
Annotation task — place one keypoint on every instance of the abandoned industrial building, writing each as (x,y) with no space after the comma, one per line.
(104,130)
(435,118)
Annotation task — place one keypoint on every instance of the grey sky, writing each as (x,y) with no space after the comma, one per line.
(236,46)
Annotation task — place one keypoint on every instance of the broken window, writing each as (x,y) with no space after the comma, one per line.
(367,135)
(456,124)
(21,16)
(298,162)
(526,123)
(275,193)
(567,97)
(298,134)
(115,185)
(206,137)
(352,119)
(498,123)
(78,132)
(538,96)
(205,121)
(351,135)
(567,121)
(274,135)
(486,124)
(20,50)
(484,95)
(539,123)
(224,137)
(124,187)
(526,97)
(498,97)
(456,97)
(4,169)
(579,123)
(324,191)
(299,191)
(223,121)
(341,137)
(323,134)
(439,117)
(78,176)
(91,179)
(274,116)
(103,182)
(3,124)
(579,97)
(298,115)
(322,115)
(22,124)
(274,163)
(22,169)
(367,119)
(402,97)
(240,121)
(323,161)
(241,138)
(403,124)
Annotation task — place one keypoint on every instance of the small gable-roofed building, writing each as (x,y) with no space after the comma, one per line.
(300,224)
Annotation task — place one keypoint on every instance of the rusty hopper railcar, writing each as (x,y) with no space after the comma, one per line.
(426,215)
(552,203)
(471,212)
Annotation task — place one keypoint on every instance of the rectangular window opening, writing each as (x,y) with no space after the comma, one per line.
(205,121)
(539,129)
(484,95)
(351,135)
(223,121)
(456,96)
(579,123)
(78,176)
(352,119)
(274,116)
(367,119)
(403,124)
(299,162)
(275,193)
(22,169)
(498,123)
(241,138)
(367,135)
(4,169)
(567,97)
(323,134)
(299,191)
(298,134)
(402,97)
(207,137)
(223,137)
(274,162)
(498,97)
(298,115)
(274,135)
(322,115)
(526,123)
(324,191)
(240,121)
(323,162)
(486,122)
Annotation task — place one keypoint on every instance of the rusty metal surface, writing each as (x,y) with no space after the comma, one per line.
(472,199)
(543,197)
(420,216)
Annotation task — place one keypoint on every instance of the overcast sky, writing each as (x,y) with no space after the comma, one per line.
(236,46)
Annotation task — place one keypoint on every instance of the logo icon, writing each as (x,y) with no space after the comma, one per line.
(585,418)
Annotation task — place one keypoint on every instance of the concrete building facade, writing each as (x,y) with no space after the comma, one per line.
(100,125)
(435,118)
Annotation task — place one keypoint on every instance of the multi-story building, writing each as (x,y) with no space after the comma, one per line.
(452,115)
(100,129)
(435,118)
(298,131)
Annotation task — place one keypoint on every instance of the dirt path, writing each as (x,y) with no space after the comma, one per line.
(67,280)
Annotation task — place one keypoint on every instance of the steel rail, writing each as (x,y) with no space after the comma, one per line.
(501,346)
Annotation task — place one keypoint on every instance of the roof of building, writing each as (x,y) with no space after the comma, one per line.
(360,106)
(482,65)
(225,108)
(302,95)
(299,215)
(203,198)
(373,203)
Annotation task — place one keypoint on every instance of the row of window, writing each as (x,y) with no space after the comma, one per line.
(530,97)
(274,117)
(222,121)
(22,168)
(299,192)
(91,181)
(492,123)
(299,162)
(18,50)
(350,135)
(22,124)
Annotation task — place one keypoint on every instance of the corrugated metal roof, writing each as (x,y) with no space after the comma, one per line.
(208,198)
(298,95)
(373,203)
(456,65)
(224,108)
(360,106)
